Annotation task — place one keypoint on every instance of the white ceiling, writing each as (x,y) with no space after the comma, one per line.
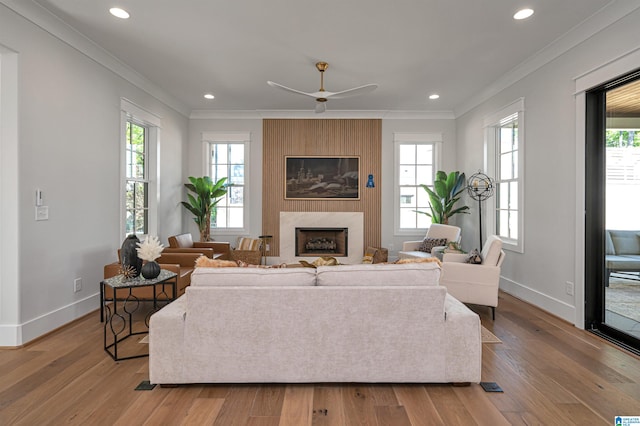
(410,48)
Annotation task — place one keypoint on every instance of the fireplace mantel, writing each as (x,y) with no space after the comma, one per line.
(289,221)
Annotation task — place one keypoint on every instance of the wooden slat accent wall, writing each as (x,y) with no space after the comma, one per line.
(299,137)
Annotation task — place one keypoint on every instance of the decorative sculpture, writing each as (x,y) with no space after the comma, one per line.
(480,187)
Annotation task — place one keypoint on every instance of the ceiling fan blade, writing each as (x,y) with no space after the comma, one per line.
(321,107)
(288,89)
(352,92)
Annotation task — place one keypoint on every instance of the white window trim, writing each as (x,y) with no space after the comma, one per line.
(238,137)
(490,124)
(130,111)
(415,138)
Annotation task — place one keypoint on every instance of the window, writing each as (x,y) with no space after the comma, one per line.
(505,140)
(140,134)
(415,166)
(227,156)
(137,180)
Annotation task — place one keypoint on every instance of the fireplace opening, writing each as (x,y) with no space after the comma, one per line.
(322,242)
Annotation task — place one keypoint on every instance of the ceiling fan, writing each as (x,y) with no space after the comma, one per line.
(322,96)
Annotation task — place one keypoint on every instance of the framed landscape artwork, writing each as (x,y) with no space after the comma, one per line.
(322,178)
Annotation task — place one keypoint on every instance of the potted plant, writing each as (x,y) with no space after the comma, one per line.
(444,195)
(206,194)
(149,250)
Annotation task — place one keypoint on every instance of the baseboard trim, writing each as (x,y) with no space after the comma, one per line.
(21,334)
(554,306)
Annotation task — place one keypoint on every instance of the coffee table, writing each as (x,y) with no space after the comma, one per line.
(121,324)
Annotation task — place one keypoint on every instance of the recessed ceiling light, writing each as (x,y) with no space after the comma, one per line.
(209,96)
(523,14)
(434,96)
(119,13)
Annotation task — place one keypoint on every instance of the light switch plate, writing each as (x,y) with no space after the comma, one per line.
(42,213)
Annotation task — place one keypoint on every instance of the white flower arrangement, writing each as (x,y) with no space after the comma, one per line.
(150,249)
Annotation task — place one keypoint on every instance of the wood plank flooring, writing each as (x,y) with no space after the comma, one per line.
(551,373)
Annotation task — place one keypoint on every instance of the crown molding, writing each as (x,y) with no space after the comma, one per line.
(53,25)
(207,114)
(605,17)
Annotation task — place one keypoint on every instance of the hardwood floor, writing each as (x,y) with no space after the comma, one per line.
(551,373)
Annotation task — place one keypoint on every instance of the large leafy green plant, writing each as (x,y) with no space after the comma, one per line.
(206,194)
(444,195)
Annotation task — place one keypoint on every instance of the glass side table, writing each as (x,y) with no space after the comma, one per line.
(122,315)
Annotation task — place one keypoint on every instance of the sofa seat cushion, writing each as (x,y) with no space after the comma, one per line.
(380,274)
(626,262)
(255,277)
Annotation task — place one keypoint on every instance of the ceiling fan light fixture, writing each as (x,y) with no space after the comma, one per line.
(322,66)
(523,14)
(119,13)
(322,95)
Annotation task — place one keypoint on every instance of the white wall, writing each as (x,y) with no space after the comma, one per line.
(69,144)
(539,274)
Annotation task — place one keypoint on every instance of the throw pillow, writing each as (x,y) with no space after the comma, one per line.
(368,255)
(428,243)
(243,264)
(418,260)
(205,262)
(321,261)
(474,257)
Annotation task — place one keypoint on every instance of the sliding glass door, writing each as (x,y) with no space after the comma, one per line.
(613,211)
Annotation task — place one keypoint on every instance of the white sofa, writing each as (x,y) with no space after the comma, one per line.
(355,323)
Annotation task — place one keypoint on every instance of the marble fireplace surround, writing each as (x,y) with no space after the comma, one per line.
(289,221)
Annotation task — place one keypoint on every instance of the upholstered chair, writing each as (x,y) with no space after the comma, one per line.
(183,243)
(477,284)
(436,230)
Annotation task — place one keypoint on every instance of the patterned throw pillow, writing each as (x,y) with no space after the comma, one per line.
(428,243)
(474,257)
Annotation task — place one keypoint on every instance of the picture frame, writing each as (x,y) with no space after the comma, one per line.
(322,178)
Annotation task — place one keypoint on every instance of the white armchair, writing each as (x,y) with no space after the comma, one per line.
(475,283)
(436,230)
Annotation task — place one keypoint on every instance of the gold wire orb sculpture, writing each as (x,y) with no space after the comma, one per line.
(480,187)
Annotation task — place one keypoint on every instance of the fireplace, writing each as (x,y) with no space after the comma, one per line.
(352,221)
(312,242)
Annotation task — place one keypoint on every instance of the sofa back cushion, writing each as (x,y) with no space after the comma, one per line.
(625,242)
(381,274)
(316,334)
(438,230)
(257,277)
(181,241)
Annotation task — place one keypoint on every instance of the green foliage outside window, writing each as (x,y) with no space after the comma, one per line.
(622,138)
